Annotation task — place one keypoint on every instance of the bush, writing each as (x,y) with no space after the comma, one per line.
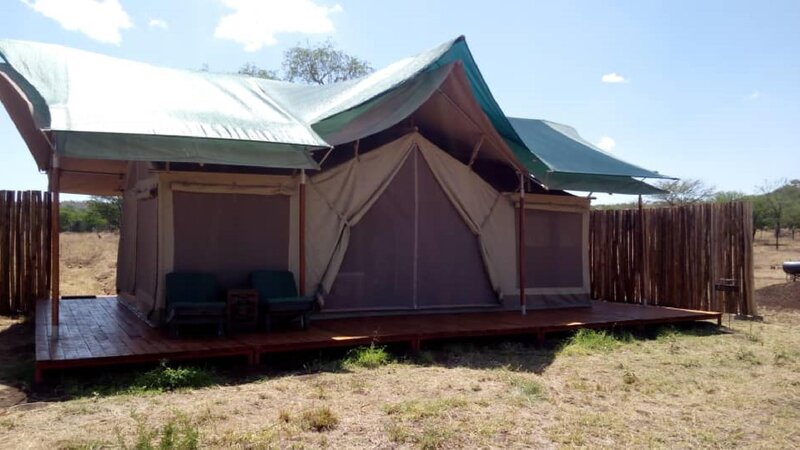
(319,419)
(165,378)
(368,357)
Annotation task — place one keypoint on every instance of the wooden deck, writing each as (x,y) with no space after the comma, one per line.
(102,332)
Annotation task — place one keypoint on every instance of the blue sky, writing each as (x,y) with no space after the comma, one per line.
(707,90)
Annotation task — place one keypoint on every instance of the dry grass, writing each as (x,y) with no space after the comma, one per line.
(680,387)
(88,263)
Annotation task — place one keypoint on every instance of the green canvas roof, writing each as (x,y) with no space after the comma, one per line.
(574,163)
(98,107)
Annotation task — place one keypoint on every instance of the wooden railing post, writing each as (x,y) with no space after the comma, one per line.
(55,228)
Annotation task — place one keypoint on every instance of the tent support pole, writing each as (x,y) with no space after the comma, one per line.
(521,245)
(302,234)
(55,210)
(475,150)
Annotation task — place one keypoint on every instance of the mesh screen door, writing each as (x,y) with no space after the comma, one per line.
(411,250)
(230,235)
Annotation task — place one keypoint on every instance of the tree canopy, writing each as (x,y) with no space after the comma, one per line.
(320,63)
(97,214)
(683,192)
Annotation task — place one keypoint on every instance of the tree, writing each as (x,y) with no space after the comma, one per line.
(793,217)
(250,69)
(728,196)
(775,199)
(684,192)
(320,63)
(109,209)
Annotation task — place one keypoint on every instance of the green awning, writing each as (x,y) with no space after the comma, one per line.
(576,164)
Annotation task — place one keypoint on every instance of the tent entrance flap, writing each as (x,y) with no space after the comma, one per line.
(411,250)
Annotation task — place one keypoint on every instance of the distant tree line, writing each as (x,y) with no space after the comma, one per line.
(96,214)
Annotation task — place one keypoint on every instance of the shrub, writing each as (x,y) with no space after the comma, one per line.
(168,378)
(367,357)
(318,419)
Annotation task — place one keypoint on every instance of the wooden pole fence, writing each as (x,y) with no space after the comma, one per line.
(24,250)
(695,256)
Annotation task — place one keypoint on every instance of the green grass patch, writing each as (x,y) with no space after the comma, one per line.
(178,433)
(319,419)
(528,388)
(416,410)
(367,357)
(588,342)
(162,378)
(435,437)
(671,332)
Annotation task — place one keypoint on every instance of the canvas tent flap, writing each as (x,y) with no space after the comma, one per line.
(200,114)
(487,212)
(361,181)
(339,198)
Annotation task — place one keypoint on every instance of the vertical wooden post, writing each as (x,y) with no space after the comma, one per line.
(55,293)
(642,263)
(302,234)
(521,245)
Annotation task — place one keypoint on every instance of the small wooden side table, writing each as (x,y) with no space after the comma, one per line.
(242,310)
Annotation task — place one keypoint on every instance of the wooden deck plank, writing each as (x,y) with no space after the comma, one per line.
(96,332)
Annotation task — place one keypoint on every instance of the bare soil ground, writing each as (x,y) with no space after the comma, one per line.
(684,387)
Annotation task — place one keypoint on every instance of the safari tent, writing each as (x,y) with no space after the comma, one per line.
(408,190)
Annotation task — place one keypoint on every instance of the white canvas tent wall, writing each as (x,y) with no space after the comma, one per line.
(452,246)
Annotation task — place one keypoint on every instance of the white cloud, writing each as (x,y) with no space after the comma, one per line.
(606,143)
(755,95)
(158,23)
(101,20)
(255,23)
(613,77)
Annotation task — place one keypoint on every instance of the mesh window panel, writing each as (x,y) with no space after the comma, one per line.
(146,247)
(450,269)
(377,270)
(553,249)
(230,235)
